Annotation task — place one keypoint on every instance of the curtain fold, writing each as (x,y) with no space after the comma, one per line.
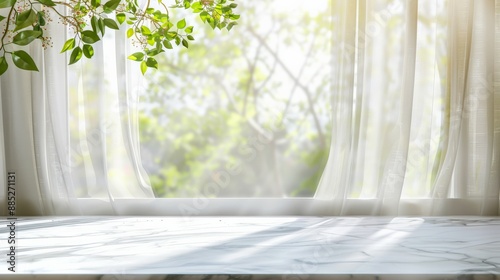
(18,141)
(428,108)
(103,103)
(64,133)
(128,99)
(494,180)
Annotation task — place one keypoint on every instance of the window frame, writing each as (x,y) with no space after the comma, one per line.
(202,206)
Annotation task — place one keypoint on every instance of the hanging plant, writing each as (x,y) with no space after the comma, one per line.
(153,28)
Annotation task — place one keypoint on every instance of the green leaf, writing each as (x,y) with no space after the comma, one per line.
(167,25)
(37,27)
(2,17)
(170,35)
(130,32)
(111,24)
(167,44)
(41,18)
(204,16)
(144,67)
(151,62)
(132,7)
(100,22)
(24,61)
(211,22)
(154,51)
(120,17)
(76,54)
(197,7)
(189,29)
(7,3)
(190,37)
(221,25)
(95,3)
(138,56)
(230,25)
(111,5)
(89,37)
(145,30)
(88,51)
(25,19)
(3,65)
(48,3)
(181,24)
(25,37)
(94,22)
(70,44)
(163,18)
(185,43)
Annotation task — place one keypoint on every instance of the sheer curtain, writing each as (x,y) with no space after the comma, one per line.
(58,157)
(415,109)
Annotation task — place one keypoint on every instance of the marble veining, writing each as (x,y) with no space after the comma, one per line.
(256,247)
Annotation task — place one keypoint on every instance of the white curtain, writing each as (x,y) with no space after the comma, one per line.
(416,108)
(58,157)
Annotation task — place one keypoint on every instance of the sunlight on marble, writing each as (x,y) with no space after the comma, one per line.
(274,247)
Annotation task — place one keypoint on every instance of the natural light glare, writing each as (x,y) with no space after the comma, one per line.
(298,7)
(246,111)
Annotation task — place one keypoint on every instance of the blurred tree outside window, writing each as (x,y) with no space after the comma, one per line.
(249,110)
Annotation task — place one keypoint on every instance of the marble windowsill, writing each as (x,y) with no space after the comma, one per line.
(254,247)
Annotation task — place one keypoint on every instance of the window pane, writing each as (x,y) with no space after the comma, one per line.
(244,113)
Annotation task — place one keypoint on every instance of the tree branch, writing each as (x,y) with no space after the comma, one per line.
(299,84)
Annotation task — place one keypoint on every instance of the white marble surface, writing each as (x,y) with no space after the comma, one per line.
(345,247)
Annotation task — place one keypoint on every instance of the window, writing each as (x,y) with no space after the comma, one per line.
(248,110)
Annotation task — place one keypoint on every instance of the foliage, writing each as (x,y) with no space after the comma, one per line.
(152,27)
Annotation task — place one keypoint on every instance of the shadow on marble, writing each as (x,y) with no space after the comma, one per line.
(233,248)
